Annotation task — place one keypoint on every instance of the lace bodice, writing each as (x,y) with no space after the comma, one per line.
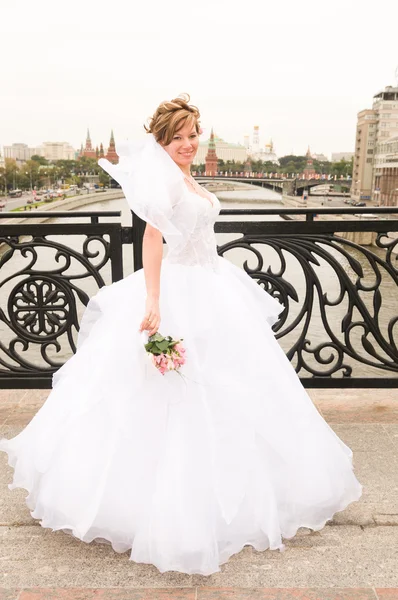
(156,190)
(201,246)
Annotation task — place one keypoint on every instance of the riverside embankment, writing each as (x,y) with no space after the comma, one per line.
(71,203)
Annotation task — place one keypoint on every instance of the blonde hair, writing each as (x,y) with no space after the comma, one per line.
(171,116)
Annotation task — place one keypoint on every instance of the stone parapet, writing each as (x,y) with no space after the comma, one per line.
(68,204)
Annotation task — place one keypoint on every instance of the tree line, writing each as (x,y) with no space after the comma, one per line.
(39,172)
(288,165)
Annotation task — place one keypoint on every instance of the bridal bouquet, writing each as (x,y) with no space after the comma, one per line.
(166,354)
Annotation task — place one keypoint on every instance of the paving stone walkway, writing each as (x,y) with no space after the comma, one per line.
(202,593)
(355,556)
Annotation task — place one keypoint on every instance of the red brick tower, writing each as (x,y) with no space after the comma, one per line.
(309,171)
(89,150)
(211,157)
(101,151)
(111,154)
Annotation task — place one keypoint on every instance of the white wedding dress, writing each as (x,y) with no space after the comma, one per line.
(182,471)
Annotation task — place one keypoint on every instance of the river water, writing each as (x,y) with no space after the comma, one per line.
(242,198)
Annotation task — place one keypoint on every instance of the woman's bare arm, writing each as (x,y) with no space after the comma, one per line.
(152,253)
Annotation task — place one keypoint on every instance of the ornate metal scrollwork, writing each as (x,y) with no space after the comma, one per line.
(41,315)
(351,328)
(40,307)
(329,329)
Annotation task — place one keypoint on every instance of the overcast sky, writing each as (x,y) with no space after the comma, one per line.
(299,70)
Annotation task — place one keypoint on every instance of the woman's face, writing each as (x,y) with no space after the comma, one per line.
(183,146)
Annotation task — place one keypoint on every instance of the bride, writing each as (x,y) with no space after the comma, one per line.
(182,470)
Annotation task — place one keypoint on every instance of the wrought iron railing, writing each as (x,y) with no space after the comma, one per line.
(338,328)
(43,288)
(354,309)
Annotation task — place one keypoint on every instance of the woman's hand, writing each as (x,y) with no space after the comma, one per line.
(151,320)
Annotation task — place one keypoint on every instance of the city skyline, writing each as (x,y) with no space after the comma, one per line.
(254,142)
(262,143)
(303,82)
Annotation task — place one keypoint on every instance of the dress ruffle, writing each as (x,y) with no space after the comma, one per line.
(154,188)
(182,471)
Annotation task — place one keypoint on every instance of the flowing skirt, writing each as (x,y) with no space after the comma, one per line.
(182,470)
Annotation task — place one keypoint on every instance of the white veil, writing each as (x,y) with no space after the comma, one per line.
(154,188)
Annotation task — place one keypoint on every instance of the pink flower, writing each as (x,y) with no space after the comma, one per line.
(171,359)
(178,358)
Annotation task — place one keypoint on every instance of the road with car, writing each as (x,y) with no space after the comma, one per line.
(27,198)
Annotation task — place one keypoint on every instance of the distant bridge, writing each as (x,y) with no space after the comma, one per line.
(291,187)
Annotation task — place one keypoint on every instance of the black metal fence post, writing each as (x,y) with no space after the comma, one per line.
(138,235)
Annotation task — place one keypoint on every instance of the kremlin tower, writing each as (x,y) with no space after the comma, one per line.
(309,170)
(88,149)
(96,153)
(111,154)
(211,157)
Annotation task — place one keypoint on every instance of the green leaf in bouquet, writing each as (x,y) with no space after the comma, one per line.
(156,337)
(150,346)
(156,351)
(163,345)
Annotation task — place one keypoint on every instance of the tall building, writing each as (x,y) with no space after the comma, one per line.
(111,154)
(375,166)
(385,165)
(256,140)
(386,172)
(309,170)
(88,150)
(386,105)
(362,173)
(211,156)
